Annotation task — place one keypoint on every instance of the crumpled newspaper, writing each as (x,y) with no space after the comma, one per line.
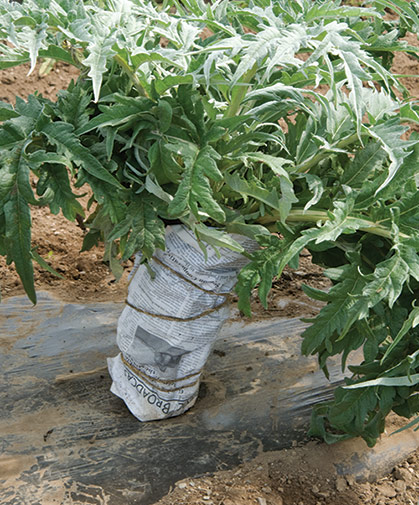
(172,318)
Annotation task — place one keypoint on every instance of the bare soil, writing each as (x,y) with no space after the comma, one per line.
(297,476)
(85,275)
(282,478)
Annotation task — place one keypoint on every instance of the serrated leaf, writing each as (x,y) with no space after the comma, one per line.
(351,409)
(245,187)
(194,188)
(118,114)
(365,162)
(315,185)
(346,305)
(387,282)
(99,52)
(62,135)
(340,221)
(147,230)
(388,134)
(55,179)
(72,105)
(110,200)
(6,111)
(264,265)
(35,40)
(18,236)
(411,322)
(279,44)
(411,257)
(287,190)
(14,176)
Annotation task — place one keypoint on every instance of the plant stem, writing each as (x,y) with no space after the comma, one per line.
(122,63)
(239,92)
(312,216)
(305,167)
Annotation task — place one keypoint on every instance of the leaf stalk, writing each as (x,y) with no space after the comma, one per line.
(124,65)
(313,216)
(305,167)
(239,92)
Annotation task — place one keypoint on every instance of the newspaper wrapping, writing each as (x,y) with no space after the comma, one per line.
(158,369)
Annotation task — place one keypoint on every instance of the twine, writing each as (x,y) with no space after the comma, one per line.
(181,276)
(181,319)
(178,319)
(149,380)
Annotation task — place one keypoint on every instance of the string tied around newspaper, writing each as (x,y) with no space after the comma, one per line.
(171,383)
(227,298)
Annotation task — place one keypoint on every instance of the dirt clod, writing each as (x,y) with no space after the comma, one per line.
(340,484)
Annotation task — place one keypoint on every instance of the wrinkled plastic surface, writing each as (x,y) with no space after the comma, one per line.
(65,436)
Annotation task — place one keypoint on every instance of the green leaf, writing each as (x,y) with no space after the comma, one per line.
(161,86)
(273,45)
(244,187)
(407,426)
(126,110)
(387,281)
(411,322)
(194,189)
(7,112)
(217,238)
(287,190)
(40,260)
(147,230)
(73,105)
(165,113)
(111,201)
(248,279)
(54,178)
(35,40)
(351,409)
(318,426)
(346,306)
(62,135)
(248,230)
(365,163)
(316,294)
(402,8)
(265,264)
(330,10)
(315,185)
(411,257)
(162,164)
(18,237)
(388,134)
(56,53)
(387,381)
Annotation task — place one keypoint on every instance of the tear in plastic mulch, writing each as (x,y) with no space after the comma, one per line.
(65,437)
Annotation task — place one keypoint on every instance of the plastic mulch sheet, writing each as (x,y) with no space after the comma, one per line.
(66,439)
